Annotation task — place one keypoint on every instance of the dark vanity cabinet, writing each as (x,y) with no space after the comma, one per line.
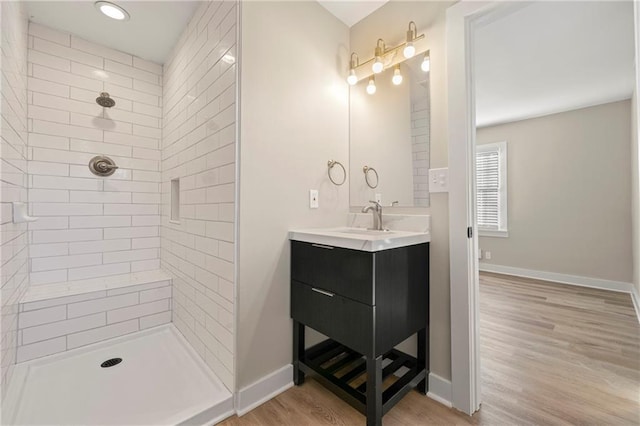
(366,303)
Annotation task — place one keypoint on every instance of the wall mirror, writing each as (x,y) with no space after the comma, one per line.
(389,132)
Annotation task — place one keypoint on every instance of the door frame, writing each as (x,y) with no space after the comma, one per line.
(462,21)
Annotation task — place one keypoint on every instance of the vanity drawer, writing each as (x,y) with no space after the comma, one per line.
(348,273)
(346,321)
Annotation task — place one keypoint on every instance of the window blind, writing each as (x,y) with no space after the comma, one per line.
(488,188)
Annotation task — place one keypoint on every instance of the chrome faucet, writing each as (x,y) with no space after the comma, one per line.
(376,210)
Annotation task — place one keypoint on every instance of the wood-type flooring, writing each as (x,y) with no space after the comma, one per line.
(551,354)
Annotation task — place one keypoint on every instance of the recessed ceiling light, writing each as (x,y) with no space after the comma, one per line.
(111,10)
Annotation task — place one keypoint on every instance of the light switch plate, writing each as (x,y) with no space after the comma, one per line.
(313,199)
(439,180)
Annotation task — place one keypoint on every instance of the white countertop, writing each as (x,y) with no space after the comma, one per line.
(359,238)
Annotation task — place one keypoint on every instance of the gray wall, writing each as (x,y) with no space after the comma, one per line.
(294,118)
(315,132)
(569,193)
(390,23)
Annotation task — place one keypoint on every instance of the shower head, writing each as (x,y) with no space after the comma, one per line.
(105,101)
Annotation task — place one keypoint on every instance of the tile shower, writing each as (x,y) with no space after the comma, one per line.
(90,226)
(105,257)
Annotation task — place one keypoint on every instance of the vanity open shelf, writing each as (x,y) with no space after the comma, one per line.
(366,301)
(344,372)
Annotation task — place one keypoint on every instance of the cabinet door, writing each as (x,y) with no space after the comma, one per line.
(344,320)
(402,294)
(348,273)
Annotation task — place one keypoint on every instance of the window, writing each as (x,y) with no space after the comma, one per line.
(491,189)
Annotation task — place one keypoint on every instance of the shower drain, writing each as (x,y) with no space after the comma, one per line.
(111,362)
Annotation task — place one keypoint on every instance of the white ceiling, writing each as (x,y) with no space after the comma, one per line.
(151,33)
(155,26)
(549,57)
(352,12)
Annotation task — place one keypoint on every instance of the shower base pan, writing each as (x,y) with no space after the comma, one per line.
(160,381)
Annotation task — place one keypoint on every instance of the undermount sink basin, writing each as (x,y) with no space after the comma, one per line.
(366,231)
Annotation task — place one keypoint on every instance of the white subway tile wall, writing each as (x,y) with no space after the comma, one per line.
(199,148)
(91,226)
(59,324)
(14,251)
(420,113)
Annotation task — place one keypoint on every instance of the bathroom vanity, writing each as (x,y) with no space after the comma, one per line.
(367,291)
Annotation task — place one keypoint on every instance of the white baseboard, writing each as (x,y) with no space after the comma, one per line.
(559,278)
(439,390)
(619,286)
(264,389)
(635,296)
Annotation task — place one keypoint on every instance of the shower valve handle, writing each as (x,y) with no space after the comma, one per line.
(103,165)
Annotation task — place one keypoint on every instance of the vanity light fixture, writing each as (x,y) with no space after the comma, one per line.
(386,57)
(397,76)
(371,87)
(353,78)
(426,65)
(378,65)
(112,10)
(409,49)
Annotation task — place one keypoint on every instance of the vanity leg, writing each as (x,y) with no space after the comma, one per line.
(298,351)
(374,391)
(423,359)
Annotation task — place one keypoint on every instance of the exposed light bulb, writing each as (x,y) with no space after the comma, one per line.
(377,65)
(371,87)
(397,77)
(111,10)
(425,64)
(352,78)
(409,50)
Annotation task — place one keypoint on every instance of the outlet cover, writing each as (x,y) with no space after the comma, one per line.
(313,199)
